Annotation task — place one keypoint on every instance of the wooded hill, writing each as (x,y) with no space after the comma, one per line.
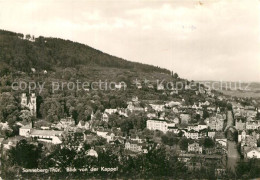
(20,52)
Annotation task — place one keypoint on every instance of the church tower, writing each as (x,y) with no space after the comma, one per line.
(24,100)
(33,104)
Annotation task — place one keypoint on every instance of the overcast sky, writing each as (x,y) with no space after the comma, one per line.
(200,40)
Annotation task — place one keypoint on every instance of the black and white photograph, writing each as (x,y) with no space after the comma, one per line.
(129,89)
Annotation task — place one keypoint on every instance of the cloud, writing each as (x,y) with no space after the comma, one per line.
(213,40)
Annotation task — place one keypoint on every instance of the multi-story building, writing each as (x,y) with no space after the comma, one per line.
(160,125)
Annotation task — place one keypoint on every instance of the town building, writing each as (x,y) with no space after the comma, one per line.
(253,153)
(195,148)
(104,117)
(160,125)
(66,123)
(83,125)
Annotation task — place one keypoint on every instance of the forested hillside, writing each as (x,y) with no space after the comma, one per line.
(23,52)
(24,58)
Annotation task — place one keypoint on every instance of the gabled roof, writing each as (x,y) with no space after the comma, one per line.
(46,132)
(252,149)
(28,126)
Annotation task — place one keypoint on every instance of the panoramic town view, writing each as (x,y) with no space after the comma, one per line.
(70,110)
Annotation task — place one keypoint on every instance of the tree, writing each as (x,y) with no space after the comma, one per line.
(229,106)
(25,154)
(60,157)
(258,115)
(207,142)
(169,139)
(249,169)
(26,115)
(197,117)
(205,113)
(126,125)
(183,143)
(175,76)
(8,107)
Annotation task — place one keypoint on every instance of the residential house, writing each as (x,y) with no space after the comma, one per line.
(253,153)
(25,130)
(110,111)
(253,125)
(65,123)
(92,152)
(192,134)
(133,146)
(158,107)
(138,85)
(248,140)
(176,120)
(151,115)
(123,112)
(195,148)
(175,110)
(193,127)
(150,86)
(211,134)
(173,104)
(215,123)
(221,139)
(104,117)
(175,130)
(185,118)
(240,124)
(131,107)
(109,136)
(137,139)
(83,125)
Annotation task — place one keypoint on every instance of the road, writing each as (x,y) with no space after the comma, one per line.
(232,154)
(230,120)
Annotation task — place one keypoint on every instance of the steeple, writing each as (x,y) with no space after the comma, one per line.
(31,104)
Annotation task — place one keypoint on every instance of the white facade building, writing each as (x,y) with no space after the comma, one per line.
(160,125)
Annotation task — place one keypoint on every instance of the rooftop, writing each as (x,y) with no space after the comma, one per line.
(46,132)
